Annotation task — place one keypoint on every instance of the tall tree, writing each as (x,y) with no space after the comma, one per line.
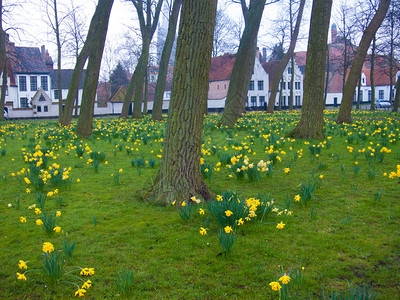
(148,26)
(354,75)
(85,122)
(285,60)
(97,30)
(311,124)
(164,62)
(235,104)
(3,61)
(224,40)
(118,77)
(179,176)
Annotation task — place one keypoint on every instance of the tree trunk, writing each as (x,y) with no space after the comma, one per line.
(327,75)
(179,176)
(397,97)
(3,91)
(280,95)
(291,86)
(102,10)
(235,103)
(146,93)
(57,32)
(372,74)
(285,60)
(311,123)
(165,57)
(359,93)
(351,83)
(139,79)
(85,124)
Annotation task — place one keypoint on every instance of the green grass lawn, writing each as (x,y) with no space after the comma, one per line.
(346,232)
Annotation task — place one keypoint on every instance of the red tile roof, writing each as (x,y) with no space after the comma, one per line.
(221,67)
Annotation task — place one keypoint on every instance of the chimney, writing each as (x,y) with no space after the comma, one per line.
(46,57)
(333,33)
(264,55)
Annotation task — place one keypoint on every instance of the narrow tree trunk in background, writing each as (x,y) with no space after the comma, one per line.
(57,29)
(280,95)
(351,83)
(372,74)
(311,124)
(291,86)
(139,79)
(285,60)
(179,176)
(164,62)
(397,97)
(359,93)
(85,122)
(99,14)
(146,93)
(327,76)
(235,103)
(3,91)
(76,106)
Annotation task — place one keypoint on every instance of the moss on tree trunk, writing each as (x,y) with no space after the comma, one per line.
(179,176)
(311,123)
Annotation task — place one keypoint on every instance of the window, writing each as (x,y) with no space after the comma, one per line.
(23,102)
(361,96)
(260,85)
(289,70)
(262,100)
(22,83)
(43,81)
(297,99)
(33,83)
(38,108)
(218,87)
(381,94)
(297,85)
(253,100)
(283,100)
(45,108)
(55,94)
(369,95)
(284,85)
(251,87)
(225,86)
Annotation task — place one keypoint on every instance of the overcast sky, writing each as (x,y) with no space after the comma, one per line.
(30,20)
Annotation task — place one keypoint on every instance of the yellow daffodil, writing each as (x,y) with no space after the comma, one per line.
(173,203)
(228,229)
(87,285)
(57,229)
(275,286)
(321,176)
(228,213)
(203,231)
(240,221)
(58,213)
(183,203)
(284,279)
(201,211)
(22,265)
(280,225)
(286,170)
(22,219)
(27,180)
(49,194)
(219,198)
(39,222)
(80,293)
(21,276)
(78,180)
(48,247)
(120,170)
(297,198)
(28,191)
(38,211)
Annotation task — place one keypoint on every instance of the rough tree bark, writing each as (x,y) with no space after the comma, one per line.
(285,60)
(179,176)
(85,121)
(311,124)
(235,104)
(148,26)
(100,15)
(355,71)
(165,56)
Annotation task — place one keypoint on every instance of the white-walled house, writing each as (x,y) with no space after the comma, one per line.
(271,68)
(219,79)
